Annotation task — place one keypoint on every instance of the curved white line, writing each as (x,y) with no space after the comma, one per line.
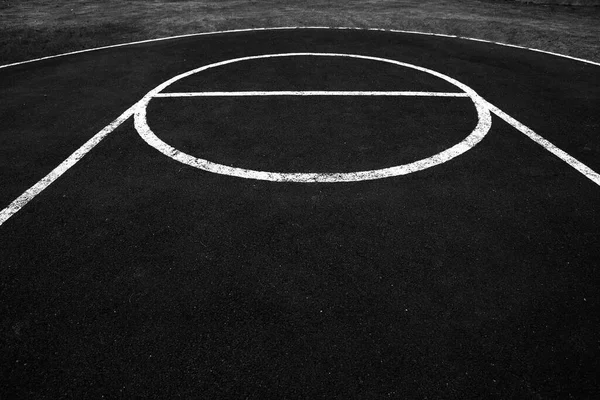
(483,126)
(300,27)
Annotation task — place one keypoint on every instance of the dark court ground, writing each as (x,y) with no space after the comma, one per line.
(134,275)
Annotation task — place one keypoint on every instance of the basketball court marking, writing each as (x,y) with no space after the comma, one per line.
(283,28)
(63,167)
(483,125)
(483,107)
(572,161)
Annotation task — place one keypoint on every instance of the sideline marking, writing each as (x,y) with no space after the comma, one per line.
(297,28)
(56,173)
(309,93)
(481,129)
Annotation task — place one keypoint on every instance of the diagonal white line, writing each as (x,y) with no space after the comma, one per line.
(57,172)
(312,93)
(573,162)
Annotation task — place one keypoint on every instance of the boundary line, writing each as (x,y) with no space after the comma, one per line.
(301,27)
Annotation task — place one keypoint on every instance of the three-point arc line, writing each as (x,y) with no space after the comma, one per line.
(37,188)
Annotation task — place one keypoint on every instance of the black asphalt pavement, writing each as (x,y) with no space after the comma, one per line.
(136,276)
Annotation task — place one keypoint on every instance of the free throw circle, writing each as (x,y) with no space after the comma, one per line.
(481,129)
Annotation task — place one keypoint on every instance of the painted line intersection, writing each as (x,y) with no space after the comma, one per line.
(481,129)
(138,111)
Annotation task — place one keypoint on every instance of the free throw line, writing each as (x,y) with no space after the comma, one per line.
(311,93)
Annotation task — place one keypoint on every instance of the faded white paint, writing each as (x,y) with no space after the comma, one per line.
(483,125)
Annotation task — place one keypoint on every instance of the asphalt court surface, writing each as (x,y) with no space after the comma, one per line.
(333,134)
(135,274)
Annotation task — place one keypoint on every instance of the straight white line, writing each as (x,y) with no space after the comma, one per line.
(57,172)
(578,165)
(310,93)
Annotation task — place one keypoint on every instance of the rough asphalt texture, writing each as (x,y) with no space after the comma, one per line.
(136,276)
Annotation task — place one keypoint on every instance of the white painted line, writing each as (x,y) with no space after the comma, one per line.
(483,125)
(310,93)
(515,46)
(299,28)
(57,172)
(573,162)
(46,181)
(139,111)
